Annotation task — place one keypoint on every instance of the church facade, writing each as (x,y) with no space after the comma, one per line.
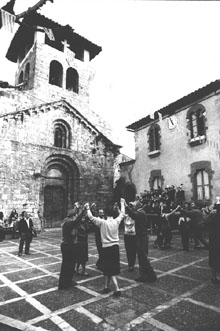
(54,149)
(180,144)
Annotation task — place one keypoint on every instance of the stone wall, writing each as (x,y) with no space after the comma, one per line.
(27,141)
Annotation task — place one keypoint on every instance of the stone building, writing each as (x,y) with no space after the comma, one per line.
(180,144)
(54,149)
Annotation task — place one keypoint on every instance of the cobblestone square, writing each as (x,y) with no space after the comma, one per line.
(182,299)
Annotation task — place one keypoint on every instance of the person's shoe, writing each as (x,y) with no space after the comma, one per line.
(85,274)
(130,269)
(27,253)
(106,290)
(140,279)
(197,247)
(19,254)
(117,293)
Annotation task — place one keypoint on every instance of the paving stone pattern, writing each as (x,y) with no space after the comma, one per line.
(182,299)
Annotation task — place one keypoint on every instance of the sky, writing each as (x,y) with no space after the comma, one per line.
(153,53)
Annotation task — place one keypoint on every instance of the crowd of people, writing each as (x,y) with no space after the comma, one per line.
(192,222)
(168,205)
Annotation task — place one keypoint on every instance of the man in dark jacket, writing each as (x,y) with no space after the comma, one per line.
(25,228)
(147,273)
(198,225)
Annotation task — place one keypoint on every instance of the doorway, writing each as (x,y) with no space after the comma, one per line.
(54,205)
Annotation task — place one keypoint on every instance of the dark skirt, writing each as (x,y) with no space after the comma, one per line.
(82,252)
(110,264)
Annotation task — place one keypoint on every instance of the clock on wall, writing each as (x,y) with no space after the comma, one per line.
(172,122)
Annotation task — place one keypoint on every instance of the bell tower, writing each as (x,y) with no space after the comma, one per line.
(53,61)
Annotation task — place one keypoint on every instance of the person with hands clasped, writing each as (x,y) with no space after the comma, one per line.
(137,212)
(25,228)
(69,247)
(110,244)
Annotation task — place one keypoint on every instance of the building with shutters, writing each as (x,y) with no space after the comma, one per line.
(179,144)
(54,149)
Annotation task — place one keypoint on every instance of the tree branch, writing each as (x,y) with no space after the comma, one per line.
(31,9)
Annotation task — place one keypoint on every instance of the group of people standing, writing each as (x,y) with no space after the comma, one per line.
(191,223)
(136,225)
(107,238)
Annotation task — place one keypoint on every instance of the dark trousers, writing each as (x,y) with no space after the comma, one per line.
(67,266)
(25,238)
(198,235)
(185,233)
(131,249)
(164,237)
(145,267)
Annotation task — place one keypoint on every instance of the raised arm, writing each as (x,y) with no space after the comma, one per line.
(172,212)
(96,220)
(122,211)
(80,215)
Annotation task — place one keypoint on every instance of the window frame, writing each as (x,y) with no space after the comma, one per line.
(61,127)
(195,168)
(56,73)
(203,185)
(196,124)
(154,140)
(156,173)
(74,80)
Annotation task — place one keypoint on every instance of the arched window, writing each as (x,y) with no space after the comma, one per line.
(56,74)
(154,140)
(72,80)
(27,71)
(196,123)
(21,77)
(61,134)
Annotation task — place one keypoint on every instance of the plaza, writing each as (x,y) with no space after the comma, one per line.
(183,298)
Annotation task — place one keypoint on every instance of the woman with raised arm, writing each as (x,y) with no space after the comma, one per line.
(110,245)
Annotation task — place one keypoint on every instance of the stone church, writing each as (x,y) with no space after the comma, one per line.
(54,149)
(179,144)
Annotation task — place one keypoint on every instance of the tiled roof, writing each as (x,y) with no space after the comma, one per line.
(60,32)
(181,103)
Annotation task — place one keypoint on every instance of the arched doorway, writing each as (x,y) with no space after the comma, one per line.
(60,188)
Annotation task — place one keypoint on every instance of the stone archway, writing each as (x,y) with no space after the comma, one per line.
(60,188)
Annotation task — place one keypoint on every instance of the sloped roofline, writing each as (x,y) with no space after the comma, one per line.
(53,103)
(185,101)
(66,31)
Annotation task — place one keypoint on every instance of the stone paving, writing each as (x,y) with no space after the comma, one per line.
(182,299)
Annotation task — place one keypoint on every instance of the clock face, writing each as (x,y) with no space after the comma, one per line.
(172,122)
